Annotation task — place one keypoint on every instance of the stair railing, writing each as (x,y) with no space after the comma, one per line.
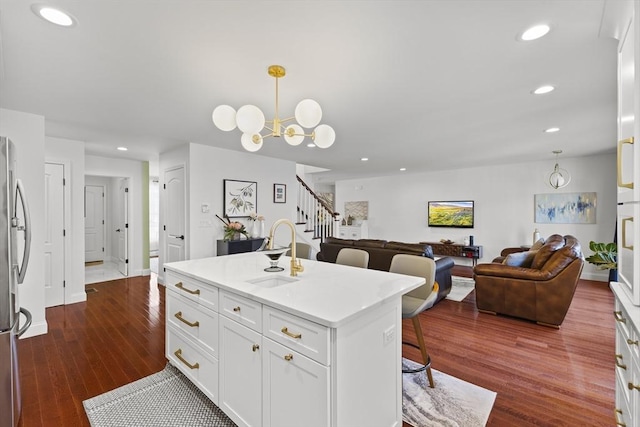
(315,213)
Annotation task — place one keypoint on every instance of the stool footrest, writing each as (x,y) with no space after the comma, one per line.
(421,367)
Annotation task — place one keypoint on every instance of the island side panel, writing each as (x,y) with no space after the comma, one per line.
(366,371)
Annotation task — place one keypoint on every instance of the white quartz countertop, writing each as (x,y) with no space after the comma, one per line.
(326,293)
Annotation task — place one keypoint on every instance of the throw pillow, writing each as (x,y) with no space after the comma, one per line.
(537,245)
(552,244)
(520,259)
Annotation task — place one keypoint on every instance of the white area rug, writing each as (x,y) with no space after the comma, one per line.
(460,288)
(452,402)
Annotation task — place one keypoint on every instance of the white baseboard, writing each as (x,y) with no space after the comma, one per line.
(39,328)
(599,277)
(76,297)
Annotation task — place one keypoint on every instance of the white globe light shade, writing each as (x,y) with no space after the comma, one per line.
(250,119)
(224,117)
(296,139)
(308,113)
(248,144)
(324,136)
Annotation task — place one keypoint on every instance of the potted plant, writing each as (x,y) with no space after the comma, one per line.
(604,257)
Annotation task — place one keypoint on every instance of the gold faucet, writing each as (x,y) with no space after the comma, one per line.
(296,266)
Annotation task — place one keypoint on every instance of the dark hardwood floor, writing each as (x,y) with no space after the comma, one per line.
(543,376)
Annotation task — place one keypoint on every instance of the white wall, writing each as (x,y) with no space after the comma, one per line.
(132,169)
(71,154)
(209,166)
(503,195)
(206,168)
(27,133)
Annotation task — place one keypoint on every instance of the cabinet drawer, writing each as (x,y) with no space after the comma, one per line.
(194,290)
(201,368)
(242,310)
(301,335)
(196,321)
(623,321)
(622,412)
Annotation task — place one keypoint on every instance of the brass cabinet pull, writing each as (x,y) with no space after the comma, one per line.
(285,331)
(288,357)
(618,364)
(618,421)
(178,354)
(255,347)
(632,342)
(183,320)
(624,232)
(620,144)
(618,316)
(179,285)
(632,386)
(236,309)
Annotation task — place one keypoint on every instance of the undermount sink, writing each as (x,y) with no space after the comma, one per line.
(272,281)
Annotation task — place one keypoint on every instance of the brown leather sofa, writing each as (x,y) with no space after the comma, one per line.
(381,253)
(539,288)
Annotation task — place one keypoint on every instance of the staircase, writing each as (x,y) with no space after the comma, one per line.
(315,219)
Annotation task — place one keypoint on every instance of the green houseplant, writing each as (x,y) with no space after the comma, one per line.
(604,255)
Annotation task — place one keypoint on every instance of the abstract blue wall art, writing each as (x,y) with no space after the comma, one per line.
(565,208)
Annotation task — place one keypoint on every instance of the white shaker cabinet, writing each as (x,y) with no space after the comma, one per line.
(627,371)
(294,388)
(240,373)
(624,18)
(324,347)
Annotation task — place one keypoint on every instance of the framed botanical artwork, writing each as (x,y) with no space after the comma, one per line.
(279,193)
(565,208)
(240,198)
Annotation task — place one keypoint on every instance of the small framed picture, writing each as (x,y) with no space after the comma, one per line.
(279,193)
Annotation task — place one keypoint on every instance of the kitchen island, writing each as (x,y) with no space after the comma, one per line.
(322,348)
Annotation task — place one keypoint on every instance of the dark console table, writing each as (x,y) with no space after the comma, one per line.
(464,251)
(228,247)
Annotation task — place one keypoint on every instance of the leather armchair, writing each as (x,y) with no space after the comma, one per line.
(541,292)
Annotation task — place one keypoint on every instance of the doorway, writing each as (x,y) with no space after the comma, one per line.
(106,228)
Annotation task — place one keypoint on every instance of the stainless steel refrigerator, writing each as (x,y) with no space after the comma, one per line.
(15,243)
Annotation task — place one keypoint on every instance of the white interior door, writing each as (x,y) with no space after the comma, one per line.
(93,223)
(54,234)
(174,227)
(123,227)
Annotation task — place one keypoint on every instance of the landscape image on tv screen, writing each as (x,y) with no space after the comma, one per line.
(457,214)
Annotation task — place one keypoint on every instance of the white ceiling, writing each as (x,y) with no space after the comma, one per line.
(425,85)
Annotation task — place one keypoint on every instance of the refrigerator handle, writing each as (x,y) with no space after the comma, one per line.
(27,314)
(27,230)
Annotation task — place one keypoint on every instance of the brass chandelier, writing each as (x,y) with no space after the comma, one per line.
(251,121)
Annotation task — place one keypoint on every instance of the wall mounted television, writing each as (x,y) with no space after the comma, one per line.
(455,213)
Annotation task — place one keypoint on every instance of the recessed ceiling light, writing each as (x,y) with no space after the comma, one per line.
(535,32)
(543,89)
(552,130)
(311,145)
(364,159)
(122,148)
(625,119)
(403,169)
(54,15)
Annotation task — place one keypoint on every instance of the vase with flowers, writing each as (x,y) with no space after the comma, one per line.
(233,230)
(257,230)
